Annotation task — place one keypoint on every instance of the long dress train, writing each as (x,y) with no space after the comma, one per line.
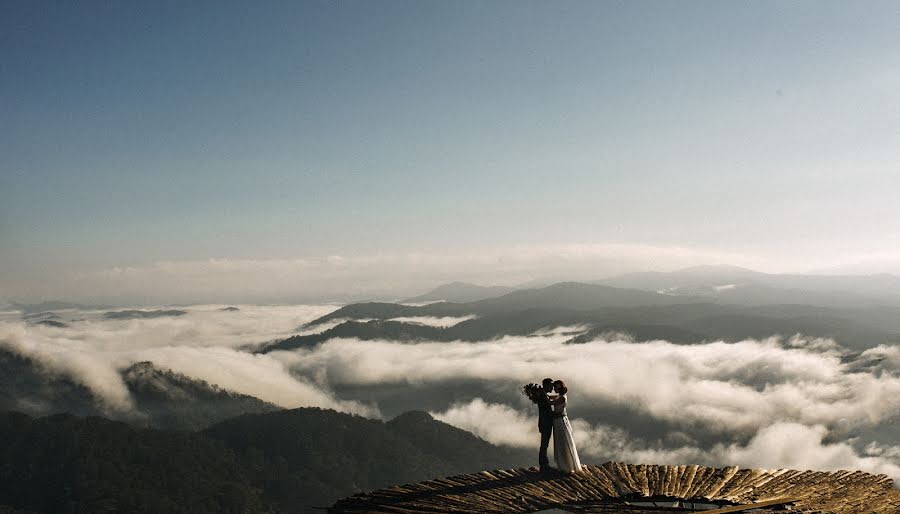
(564,453)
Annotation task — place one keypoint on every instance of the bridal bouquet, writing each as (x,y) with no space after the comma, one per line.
(534,392)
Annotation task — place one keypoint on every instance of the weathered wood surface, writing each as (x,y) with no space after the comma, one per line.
(605,488)
(749,506)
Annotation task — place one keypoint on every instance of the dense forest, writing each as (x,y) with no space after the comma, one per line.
(285,461)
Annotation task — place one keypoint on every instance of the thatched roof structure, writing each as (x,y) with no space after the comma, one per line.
(627,488)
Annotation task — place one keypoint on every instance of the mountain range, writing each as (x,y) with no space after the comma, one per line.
(733,285)
(460,292)
(720,283)
(690,306)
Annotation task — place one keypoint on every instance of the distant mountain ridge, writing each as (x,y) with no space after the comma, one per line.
(561,296)
(716,313)
(460,292)
(730,284)
(580,296)
(141,314)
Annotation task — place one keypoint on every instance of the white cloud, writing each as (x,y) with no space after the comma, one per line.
(567,331)
(770,402)
(778,445)
(202,344)
(505,425)
(494,422)
(258,375)
(724,387)
(204,325)
(888,357)
(433,321)
(66,357)
(796,446)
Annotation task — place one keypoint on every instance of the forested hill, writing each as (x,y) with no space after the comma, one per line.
(460,292)
(525,312)
(162,398)
(285,461)
(689,306)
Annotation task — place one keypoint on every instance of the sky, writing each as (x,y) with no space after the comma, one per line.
(165,151)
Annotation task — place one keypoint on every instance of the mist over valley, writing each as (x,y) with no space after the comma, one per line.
(655,377)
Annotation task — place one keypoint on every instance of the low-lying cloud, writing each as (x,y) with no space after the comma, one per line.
(779,445)
(205,344)
(752,398)
(727,387)
(433,321)
(797,402)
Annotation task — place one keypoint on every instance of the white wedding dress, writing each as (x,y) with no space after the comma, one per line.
(564,452)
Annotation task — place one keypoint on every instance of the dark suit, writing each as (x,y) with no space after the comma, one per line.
(545,426)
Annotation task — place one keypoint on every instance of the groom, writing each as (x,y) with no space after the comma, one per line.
(545,423)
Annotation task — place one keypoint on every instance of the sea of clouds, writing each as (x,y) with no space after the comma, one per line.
(207,343)
(796,402)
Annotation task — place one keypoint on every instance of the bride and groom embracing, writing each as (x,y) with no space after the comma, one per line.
(550,398)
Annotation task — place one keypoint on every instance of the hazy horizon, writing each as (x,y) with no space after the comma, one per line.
(331,292)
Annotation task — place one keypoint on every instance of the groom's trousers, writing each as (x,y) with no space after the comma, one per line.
(542,453)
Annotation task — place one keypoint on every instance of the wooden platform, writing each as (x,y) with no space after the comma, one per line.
(628,488)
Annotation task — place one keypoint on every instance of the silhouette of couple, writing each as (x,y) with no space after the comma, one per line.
(553,422)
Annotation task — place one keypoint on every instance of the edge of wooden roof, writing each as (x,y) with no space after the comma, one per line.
(526,490)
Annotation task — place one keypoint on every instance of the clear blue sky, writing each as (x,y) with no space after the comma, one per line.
(138,132)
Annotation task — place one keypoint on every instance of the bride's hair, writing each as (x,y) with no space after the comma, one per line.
(560,387)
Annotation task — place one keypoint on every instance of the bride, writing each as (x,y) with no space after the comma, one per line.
(564,452)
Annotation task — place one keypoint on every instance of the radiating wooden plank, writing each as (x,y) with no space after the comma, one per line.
(522,490)
(699,482)
(687,481)
(725,476)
